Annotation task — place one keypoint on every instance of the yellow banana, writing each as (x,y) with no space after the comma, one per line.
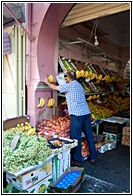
(41,102)
(86,74)
(100,77)
(82,73)
(90,74)
(39,105)
(98,96)
(50,78)
(89,98)
(30,131)
(93,76)
(97,82)
(64,103)
(51,102)
(94,96)
(77,74)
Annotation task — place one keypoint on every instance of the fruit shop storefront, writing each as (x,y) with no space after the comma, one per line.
(42,60)
(42,51)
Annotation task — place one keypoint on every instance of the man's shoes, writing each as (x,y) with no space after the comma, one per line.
(92,161)
(75,164)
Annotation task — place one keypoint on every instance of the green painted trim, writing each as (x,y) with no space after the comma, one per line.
(42,86)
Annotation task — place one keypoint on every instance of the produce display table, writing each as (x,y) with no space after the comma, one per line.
(96,124)
(115,119)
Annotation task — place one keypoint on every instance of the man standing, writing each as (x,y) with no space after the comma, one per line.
(79,116)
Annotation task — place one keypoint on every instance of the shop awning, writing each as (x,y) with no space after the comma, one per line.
(87,11)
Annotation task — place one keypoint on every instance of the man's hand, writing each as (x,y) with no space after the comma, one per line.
(46,81)
(54,87)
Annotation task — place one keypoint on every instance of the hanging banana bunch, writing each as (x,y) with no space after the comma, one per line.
(86,74)
(50,78)
(51,102)
(77,74)
(41,102)
(82,72)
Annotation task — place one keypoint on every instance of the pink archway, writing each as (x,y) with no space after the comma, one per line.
(43,23)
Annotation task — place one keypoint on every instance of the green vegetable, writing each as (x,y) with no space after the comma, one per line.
(30,150)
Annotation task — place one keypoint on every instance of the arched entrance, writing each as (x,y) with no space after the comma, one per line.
(43,22)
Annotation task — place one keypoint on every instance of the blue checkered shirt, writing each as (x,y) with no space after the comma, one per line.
(75,97)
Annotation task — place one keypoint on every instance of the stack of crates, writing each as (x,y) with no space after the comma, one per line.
(126,136)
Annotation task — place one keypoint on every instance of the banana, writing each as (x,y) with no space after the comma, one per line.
(90,74)
(94,96)
(77,74)
(97,82)
(100,76)
(51,102)
(98,96)
(89,98)
(64,103)
(41,102)
(82,73)
(31,131)
(51,78)
(86,74)
(93,76)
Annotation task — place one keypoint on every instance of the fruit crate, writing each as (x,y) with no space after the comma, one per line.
(69,182)
(12,122)
(113,127)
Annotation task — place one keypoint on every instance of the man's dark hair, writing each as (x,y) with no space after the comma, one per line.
(71,75)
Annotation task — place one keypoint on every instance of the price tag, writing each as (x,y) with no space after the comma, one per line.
(14,141)
(87,79)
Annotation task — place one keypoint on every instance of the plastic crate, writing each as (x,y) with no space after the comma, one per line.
(113,127)
(70,181)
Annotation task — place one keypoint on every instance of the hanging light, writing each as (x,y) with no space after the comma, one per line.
(96,43)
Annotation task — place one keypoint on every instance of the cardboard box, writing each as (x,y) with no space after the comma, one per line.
(103,148)
(41,186)
(57,166)
(111,145)
(69,184)
(28,179)
(66,159)
(125,138)
(125,143)
(60,162)
(12,122)
(126,131)
(112,137)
